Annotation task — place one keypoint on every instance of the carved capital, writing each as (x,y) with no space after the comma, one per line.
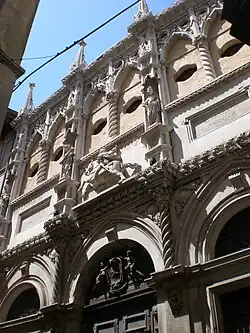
(200,39)
(112,96)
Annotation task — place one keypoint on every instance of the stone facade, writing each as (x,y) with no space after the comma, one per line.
(128,188)
(16,17)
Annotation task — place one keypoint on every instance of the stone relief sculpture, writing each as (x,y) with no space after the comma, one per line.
(114,278)
(153,107)
(107,170)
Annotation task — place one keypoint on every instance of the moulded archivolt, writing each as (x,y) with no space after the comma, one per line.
(128,226)
(39,277)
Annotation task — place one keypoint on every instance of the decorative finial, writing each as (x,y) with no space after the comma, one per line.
(80,58)
(29,105)
(143,10)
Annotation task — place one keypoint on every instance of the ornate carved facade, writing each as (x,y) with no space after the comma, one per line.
(127,188)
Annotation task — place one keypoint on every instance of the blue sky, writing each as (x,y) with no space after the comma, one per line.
(60,22)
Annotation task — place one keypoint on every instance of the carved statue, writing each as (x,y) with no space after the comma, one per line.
(6,192)
(136,276)
(153,107)
(112,161)
(99,172)
(113,279)
(67,163)
(102,283)
(72,98)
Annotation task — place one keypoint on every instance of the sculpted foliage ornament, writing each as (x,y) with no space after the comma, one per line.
(183,195)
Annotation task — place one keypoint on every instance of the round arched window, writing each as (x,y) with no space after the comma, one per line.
(134,105)
(235,235)
(231,48)
(26,304)
(58,154)
(99,126)
(185,72)
(33,170)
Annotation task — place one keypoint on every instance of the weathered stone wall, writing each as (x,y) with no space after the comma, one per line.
(16,18)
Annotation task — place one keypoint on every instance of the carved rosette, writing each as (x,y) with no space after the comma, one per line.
(113,114)
(201,43)
(44,162)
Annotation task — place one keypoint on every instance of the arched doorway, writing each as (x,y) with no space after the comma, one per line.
(117,298)
(235,304)
(26,304)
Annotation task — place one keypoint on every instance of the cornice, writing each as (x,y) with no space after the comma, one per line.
(126,193)
(50,102)
(181,275)
(24,247)
(212,85)
(26,197)
(120,139)
(178,8)
(235,145)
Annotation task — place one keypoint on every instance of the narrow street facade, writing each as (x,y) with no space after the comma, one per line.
(125,206)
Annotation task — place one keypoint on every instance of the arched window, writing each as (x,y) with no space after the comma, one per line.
(134,105)
(235,236)
(26,304)
(185,72)
(33,170)
(99,126)
(117,275)
(57,154)
(231,48)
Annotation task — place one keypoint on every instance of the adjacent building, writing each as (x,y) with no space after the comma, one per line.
(16,18)
(126,199)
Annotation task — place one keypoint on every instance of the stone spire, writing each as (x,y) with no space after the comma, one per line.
(29,105)
(143,10)
(80,58)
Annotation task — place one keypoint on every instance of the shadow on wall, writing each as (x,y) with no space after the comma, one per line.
(176,144)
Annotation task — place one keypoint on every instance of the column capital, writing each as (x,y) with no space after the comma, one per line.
(199,39)
(112,96)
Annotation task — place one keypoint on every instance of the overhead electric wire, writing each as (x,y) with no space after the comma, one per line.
(34,58)
(73,44)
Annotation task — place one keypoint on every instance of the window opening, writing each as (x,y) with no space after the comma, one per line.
(235,235)
(232,49)
(99,126)
(186,73)
(34,170)
(134,106)
(58,154)
(26,304)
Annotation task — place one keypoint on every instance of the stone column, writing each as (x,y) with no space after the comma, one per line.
(201,43)
(163,200)
(44,162)
(113,125)
(167,238)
